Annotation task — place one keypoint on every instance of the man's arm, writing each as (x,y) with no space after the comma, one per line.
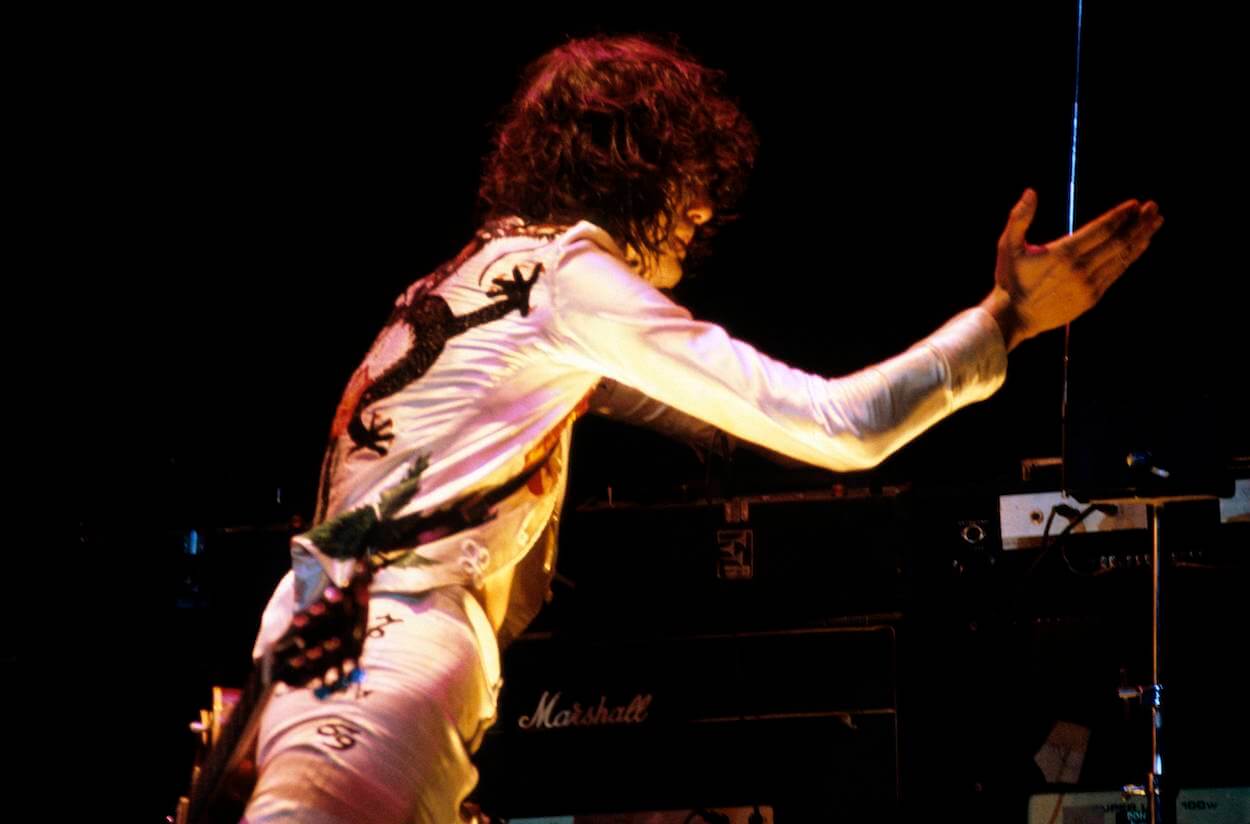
(624,403)
(610,321)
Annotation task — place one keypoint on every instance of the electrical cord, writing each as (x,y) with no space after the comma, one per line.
(1074,517)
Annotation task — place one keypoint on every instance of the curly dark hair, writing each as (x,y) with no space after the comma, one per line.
(619,131)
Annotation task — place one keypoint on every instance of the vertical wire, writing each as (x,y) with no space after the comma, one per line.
(1067,329)
(1076,110)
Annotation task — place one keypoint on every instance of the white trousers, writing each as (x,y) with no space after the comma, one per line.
(395,747)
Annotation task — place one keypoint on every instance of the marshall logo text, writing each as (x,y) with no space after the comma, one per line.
(547,717)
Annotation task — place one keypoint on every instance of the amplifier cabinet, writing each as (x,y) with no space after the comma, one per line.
(804,721)
(762,562)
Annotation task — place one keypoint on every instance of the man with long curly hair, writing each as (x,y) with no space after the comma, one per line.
(446,463)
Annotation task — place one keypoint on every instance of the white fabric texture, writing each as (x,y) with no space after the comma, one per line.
(559,310)
(394,748)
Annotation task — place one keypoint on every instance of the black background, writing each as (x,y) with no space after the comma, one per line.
(232,203)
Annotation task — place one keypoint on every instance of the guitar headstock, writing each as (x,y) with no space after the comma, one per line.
(324,642)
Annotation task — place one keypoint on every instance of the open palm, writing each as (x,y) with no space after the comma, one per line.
(1038,288)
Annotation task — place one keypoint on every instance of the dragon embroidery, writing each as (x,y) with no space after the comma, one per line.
(429,324)
(421,324)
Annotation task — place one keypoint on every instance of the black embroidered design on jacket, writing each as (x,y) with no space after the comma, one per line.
(432,324)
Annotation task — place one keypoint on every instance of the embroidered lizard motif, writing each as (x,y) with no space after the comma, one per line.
(420,325)
(431,324)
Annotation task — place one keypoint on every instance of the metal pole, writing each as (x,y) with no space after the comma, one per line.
(1154,782)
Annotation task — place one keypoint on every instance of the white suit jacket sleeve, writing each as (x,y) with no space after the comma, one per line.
(626,404)
(610,321)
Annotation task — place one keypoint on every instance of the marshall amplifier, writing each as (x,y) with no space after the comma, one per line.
(791,560)
(803,721)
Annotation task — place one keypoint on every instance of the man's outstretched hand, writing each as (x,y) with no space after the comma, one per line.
(1038,288)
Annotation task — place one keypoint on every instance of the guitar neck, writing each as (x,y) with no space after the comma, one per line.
(218,778)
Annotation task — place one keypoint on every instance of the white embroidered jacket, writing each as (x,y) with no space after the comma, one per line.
(565,311)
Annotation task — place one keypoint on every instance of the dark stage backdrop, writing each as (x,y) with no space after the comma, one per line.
(254,193)
(266,194)
(1159,370)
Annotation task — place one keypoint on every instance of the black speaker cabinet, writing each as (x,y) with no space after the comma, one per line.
(802,720)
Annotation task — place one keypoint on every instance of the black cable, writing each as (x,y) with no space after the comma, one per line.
(1107,509)
(1041,555)
(1075,518)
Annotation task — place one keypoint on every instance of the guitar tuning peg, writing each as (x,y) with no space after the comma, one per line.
(203,727)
